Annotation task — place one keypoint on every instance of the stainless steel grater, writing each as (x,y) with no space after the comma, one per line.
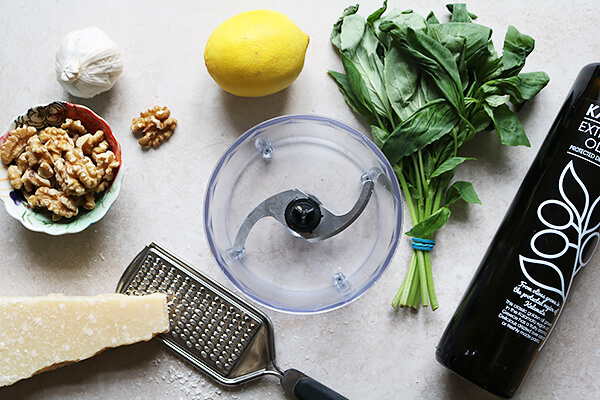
(211,327)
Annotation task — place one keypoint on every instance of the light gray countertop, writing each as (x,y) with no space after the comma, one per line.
(366,350)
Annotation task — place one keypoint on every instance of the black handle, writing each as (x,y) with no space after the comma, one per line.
(306,388)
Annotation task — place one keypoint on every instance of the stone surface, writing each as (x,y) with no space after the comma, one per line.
(366,350)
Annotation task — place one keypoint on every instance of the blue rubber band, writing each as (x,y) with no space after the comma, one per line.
(422,244)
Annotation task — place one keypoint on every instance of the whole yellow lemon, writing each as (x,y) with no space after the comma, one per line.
(256,53)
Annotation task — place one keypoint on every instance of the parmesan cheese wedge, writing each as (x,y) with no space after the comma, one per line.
(42,333)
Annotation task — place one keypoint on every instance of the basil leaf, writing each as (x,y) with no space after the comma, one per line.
(425,126)
(437,61)
(460,13)
(377,14)
(464,190)
(431,224)
(356,82)
(426,93)
(489,65)
(497,100)
(401,81)
(480,121)
(475,37)
(399,18)
(517,47)
(507,125)
(337,27)
(431,19)
(520,87)
(351,36)
(404,18)
(449,165)
(379,135)
(456,47)
(344,85)
(366,64)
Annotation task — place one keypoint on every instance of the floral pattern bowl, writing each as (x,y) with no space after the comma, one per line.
(54,114)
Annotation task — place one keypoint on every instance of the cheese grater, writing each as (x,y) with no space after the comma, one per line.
(211,327)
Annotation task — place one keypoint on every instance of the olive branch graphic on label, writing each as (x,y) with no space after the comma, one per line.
(580,211)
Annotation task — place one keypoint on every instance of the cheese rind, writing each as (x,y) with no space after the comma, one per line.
(40,333)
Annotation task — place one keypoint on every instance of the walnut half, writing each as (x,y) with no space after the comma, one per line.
(55,201)
(155,124)
(15,143)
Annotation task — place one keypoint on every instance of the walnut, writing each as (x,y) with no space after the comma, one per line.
(15,143)
(101,147)
(155,124)
(107,163)
(84,168)
(88,201)
(33,168)
(55,201)
(37,156)
(76,173)
(56,141)
(89,142)
(74,128)
(61,169)
(14,175)
(22,162)
(45,170)
(32,179)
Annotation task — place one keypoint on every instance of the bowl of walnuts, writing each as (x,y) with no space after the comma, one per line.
(60,168)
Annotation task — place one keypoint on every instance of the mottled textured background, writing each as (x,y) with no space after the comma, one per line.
(366,350)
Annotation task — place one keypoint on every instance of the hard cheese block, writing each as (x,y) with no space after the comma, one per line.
(42,333)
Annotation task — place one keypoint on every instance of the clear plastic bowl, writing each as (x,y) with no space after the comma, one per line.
(326,159)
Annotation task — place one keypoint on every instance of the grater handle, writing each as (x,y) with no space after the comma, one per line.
(306,388)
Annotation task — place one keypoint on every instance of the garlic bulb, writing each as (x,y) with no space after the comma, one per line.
(88,62)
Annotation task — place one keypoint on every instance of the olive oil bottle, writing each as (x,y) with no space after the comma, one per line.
(545,240)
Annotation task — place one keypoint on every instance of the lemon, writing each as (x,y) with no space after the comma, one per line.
(256,53)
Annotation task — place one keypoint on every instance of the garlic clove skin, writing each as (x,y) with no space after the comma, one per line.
(70,72)
(88,62)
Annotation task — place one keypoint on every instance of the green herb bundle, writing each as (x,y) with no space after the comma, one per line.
(426,88)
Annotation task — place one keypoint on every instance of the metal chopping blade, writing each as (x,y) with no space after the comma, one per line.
(211,327)
(303,215)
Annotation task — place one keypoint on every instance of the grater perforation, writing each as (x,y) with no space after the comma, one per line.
(209,326)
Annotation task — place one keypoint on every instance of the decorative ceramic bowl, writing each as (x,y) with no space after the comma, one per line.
(283,269)
(54,114)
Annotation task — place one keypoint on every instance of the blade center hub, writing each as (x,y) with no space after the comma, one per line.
(303,215)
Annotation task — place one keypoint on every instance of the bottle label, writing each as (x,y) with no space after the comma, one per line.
(563,232)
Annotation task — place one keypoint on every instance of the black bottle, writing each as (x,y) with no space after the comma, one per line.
(547,236)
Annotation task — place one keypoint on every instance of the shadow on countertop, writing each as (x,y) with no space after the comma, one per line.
(149,370)
(246,112)
(85,379)
(457,387)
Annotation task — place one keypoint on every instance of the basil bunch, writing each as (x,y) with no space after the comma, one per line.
(426,88)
